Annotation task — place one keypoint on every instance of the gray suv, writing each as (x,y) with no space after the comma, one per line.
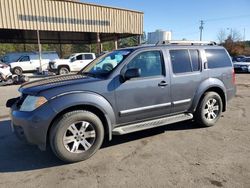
(124,91)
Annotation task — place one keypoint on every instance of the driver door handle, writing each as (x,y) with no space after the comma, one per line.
(162,84)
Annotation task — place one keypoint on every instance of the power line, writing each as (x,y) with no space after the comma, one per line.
(227,18)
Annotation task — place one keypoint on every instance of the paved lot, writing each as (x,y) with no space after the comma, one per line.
(178,155)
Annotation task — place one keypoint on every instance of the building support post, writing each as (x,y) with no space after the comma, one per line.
(40,51)
(98,44)
(116,42)
(139,39)
(60,45)
(90,48)
(101,47)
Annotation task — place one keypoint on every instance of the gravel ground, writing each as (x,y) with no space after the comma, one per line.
(178,155)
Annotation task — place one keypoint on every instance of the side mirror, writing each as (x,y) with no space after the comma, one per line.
(132,73)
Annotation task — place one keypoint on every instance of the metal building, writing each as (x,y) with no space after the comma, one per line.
(65,21)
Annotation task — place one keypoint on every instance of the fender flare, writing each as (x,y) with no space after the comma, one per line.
(204,86)
(80,98)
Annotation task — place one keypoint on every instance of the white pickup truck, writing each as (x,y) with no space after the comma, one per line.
(73,63)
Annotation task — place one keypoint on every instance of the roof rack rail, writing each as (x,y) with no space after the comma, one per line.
(186,42)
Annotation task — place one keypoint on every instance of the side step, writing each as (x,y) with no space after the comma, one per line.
(151,124)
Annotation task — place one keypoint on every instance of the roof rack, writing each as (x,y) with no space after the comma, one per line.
(186,42)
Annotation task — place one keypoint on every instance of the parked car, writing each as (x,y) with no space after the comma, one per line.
(238,58)
(30,63)
(73,63)
(127,90)
(243,66)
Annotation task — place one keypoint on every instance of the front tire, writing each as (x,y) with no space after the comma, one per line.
(209,110)
(18,71)
(76,136)
(63,71)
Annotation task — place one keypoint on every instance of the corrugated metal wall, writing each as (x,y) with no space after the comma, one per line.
(55,15)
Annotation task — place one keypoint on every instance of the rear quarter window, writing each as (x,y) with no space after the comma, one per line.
(217,58)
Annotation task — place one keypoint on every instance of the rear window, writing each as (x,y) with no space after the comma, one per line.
(217,58)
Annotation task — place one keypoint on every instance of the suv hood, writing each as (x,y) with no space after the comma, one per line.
(35,87)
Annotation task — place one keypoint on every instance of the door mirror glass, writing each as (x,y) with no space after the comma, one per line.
(132,73)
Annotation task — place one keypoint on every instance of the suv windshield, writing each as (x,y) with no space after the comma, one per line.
(106,63)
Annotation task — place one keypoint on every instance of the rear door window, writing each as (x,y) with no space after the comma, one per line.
(88,56)
(217,58)
(180,60)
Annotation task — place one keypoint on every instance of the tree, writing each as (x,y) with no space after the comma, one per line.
(235,35)
(128,42)
(221,36)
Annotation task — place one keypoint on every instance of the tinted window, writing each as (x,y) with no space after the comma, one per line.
(180,61)
(217,58)
(79,57)
(149,62)
(247,59)
(25,58)
(88,56)
(194,54)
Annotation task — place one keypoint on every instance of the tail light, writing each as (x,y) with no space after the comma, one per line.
(233,77)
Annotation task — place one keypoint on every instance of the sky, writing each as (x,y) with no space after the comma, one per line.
(182,17)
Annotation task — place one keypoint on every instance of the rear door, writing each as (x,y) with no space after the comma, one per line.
(87,58)
(186,75)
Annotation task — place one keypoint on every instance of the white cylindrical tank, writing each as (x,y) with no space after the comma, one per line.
(159,36)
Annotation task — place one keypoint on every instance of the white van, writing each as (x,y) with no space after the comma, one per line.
(30,63)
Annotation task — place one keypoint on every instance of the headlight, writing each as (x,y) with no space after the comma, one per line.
(32,102)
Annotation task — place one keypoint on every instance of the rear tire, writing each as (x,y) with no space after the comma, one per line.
(63,71)
(209,110)
(76,136)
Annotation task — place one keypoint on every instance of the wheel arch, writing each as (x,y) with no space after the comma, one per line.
(220,93)
(89,108)
(60,66)
(210,85)
(93,103)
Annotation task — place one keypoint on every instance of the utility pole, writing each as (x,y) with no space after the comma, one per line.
(244,35)
(201,29)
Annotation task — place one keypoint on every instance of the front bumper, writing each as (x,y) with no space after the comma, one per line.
(32,127)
